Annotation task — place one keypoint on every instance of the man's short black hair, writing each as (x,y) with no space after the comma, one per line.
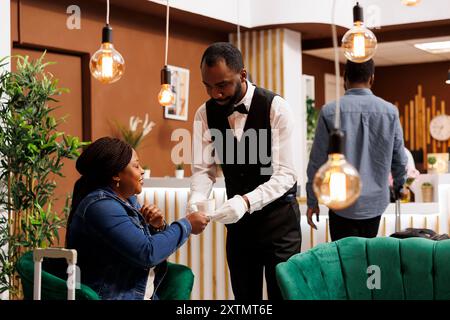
(359,72)
(226,51)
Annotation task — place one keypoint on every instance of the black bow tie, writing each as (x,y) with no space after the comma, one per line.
(240,108)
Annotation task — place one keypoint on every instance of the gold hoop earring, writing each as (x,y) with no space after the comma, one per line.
(118,184)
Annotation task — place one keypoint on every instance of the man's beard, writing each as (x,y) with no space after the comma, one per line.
(237,95)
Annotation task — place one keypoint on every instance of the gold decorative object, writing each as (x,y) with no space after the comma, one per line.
(415,119)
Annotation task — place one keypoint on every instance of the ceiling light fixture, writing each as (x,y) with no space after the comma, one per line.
(410,3)
(166,96)
(107,64)
(434,47)
(337,183)
(359,43)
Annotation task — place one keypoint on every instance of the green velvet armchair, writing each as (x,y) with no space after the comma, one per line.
(177,283)
(409,269)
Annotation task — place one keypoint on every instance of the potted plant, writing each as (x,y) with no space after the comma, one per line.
(427,192)
(431,161)
(312,116)
(134,134)
(32,152)
(146,172)
(179,171)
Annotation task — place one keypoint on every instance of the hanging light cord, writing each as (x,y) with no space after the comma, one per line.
(107,12)
(167,33)
(337,118)
(238,27)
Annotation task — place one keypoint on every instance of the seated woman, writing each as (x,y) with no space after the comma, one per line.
(122,247)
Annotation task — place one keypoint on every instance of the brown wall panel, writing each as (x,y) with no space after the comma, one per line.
(317,67)
(140,39)
(68,70)
(399,84)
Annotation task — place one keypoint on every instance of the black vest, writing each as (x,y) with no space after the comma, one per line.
(247,163)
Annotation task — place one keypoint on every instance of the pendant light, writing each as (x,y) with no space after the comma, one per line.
(448,77)
(238,27)
(107,64)
(410,3)
(337,183)
(359,43)
(166,96)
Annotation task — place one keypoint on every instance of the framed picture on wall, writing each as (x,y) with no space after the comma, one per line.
(180,88)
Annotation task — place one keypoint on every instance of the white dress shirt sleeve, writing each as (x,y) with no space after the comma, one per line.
(203,163)
(284,174)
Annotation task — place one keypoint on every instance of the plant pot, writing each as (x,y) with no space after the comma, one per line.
(147,173)
(179,174)
(427,194)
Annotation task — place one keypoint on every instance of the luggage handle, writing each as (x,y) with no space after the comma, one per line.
(398,196)
(71,257)
(397,216)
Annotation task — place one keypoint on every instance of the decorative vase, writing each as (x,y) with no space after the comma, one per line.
(179,174)
(147,173)
(427,193)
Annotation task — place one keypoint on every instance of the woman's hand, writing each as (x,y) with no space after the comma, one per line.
(198,221)
(153,215)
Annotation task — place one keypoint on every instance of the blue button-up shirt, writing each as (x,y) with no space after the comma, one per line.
(374,146)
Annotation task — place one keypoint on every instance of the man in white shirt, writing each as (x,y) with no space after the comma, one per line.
(248,131)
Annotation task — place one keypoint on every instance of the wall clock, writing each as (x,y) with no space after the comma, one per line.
(440,127)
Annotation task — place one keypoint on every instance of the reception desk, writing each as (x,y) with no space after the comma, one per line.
(205,253)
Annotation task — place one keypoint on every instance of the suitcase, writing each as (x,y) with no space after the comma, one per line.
(71,258)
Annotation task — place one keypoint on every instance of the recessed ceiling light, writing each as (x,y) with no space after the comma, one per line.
(434,47)
(410,3)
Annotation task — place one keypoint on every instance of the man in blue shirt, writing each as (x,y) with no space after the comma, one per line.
(374,146)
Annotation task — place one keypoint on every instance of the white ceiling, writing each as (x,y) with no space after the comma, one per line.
(393,53)
(257,13)
(378,13)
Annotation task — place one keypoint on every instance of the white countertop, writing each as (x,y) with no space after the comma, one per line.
(421,208)
(171,182)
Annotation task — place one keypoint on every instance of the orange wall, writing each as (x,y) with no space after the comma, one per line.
(140,39)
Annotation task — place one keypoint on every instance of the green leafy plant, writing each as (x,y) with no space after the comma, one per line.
(134,134)
(179,166)
(31,155)
(311,118)
(409,181)
(432,160)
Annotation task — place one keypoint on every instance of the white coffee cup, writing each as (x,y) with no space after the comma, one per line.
(206,206)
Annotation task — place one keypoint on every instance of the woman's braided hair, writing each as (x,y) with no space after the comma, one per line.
(98,163)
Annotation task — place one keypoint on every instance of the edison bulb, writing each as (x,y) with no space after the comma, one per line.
(337,183)
(166,96)
(410,3)
(107,64)
(359,43)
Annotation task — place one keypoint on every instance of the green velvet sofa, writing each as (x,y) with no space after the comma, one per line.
(177,283)
(347,269)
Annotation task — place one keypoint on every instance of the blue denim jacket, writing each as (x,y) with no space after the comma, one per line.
(374,146)
(116,248)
